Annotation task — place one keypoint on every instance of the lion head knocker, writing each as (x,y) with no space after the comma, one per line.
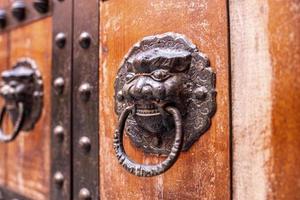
(22,91)
(165,97)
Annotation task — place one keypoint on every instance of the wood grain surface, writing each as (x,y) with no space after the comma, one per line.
(202,172)
(27,159)
(265,57)
(284,41)
(4,59)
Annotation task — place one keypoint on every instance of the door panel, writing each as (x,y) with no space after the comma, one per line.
(27,158)
(4,59)
(3,65)
(203,171)
(265,49)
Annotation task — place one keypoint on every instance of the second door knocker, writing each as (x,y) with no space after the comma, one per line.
(165,98)
(22,91)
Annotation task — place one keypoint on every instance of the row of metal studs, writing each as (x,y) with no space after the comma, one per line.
(18,10)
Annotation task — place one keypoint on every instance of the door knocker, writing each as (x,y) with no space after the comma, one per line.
(165,97)
(22,91)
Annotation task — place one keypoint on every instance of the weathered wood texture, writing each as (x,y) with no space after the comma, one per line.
(265,56)
(28,157)
(4,59)
(284,41)
(203,171)
(3,65)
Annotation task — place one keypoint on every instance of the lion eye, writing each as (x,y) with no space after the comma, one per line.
(129,76)
(160,75)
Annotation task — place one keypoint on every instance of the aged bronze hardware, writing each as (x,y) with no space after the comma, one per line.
(59,84)
(42,6)
(85,99)
(165,98)
(148,170)
(18,10)
(22,90)
(59,179)
(60,40)
(85,143)
(84,194)
(61,99)
(85,40)
(59,133)
(85,91)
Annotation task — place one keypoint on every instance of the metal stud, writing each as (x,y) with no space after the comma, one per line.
(200,93)
(85,40)
(2,18)
(84,194)
(85,91)
(59,132)
(59,84)
(19,10)
(59,179)
(60,40)
(42,6)
(85,143)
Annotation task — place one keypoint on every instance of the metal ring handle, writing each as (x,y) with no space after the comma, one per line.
(141,169)
(18,125)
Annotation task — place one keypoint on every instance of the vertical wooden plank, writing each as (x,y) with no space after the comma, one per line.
(203,171)
(251,97)
(284,41)
(4,59)
(28,157)
(265,87)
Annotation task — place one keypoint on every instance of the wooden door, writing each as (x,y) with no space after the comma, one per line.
(25,162)
(249,151)
(203,172)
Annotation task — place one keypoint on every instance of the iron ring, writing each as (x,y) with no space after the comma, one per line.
(17,127)
(141,169)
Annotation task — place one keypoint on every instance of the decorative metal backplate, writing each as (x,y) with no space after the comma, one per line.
(23,83)
(159,71)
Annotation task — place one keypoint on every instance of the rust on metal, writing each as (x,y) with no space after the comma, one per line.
(61,96)
(85,100)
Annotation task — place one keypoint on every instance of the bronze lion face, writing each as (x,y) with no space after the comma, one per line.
(155,79)
(23,83)
(160,71)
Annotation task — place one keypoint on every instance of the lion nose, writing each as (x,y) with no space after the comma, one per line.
(141,91)
(146,91)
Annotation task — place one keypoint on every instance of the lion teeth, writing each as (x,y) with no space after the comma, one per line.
(147,112)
